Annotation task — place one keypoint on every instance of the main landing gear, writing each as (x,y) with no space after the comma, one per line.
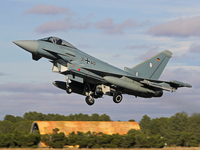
(117,98)
(89,94)
(89,100)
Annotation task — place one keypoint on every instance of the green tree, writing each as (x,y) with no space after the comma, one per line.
(72,139)
(32,140)
(117,140)
(23,126)
(194,123)
(55,140)
(104,117)
(10,118)
(179,122)
(95,117)
(6,127)
(6,140)
(131,120)
(18,118)
(156,141)
(104,140)
(19,139)
(30,116)
(154,126)
(164,126)
(130,139)
(86,140)
(144,124)
(142,141)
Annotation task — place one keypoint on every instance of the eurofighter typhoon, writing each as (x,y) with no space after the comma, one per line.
(91,77)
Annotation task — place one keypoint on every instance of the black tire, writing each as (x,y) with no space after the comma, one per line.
(89,100)
(69,90)
(117,98)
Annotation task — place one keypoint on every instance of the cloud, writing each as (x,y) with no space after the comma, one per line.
(27,88)
(132,108)
(3,74)
(182,27)
(142,46)
(84,46)
(117,55)
(195,48)
(48,10)
(61,25)
(150,53)
(182,56)
(184,99)
(188,74)
(109,27)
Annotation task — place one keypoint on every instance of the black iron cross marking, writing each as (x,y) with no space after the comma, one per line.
(87,60)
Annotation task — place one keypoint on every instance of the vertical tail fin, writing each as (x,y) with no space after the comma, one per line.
(153,67)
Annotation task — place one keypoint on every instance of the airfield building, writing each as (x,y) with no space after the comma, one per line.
(106,127)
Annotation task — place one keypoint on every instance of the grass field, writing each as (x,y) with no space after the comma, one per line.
(166,148)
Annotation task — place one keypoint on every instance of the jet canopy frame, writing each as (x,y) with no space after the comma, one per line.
(57,41)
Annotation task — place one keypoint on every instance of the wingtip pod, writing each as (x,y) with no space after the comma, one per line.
(188,85)
(180,84)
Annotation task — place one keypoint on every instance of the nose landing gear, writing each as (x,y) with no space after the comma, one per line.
(68,90)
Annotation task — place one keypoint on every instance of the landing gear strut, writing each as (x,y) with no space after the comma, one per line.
(89,100)
(68,88)
(117,98)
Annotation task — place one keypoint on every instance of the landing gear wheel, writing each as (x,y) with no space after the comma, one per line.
(69,90)
(89,100)
(117,98)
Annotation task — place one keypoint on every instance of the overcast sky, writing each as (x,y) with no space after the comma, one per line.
(122,33)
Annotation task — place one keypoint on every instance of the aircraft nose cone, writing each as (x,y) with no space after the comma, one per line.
(28,45)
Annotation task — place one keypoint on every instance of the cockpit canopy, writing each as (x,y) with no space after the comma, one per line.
(57,41)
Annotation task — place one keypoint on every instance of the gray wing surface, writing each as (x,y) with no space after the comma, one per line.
(159,84)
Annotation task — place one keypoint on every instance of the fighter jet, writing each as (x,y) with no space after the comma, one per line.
(93,78)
